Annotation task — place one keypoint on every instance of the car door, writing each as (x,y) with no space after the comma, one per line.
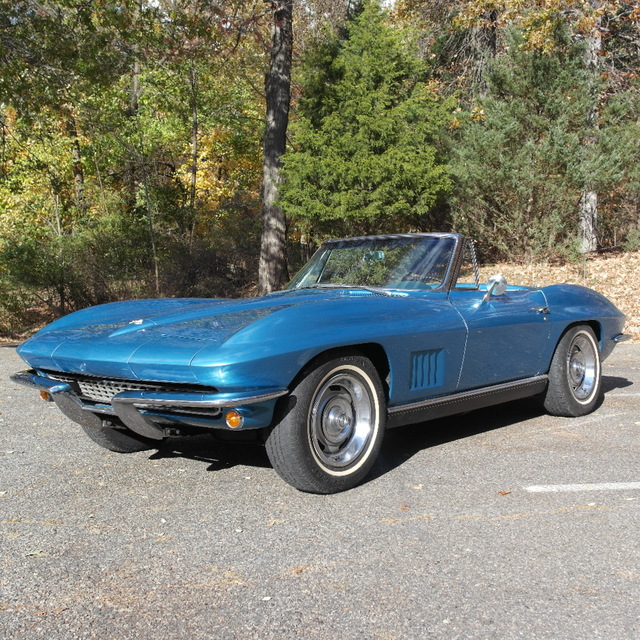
(507,335)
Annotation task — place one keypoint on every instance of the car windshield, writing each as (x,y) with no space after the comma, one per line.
(394,262)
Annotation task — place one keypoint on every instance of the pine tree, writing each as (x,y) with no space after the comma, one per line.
(519,158)
(366,157)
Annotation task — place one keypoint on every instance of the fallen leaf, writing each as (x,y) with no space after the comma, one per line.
(54,611)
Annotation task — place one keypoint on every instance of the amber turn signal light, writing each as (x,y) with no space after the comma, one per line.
(233,419)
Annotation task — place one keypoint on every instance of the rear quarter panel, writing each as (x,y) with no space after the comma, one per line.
(573,304)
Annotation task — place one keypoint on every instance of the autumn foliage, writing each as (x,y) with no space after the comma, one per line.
(131,137)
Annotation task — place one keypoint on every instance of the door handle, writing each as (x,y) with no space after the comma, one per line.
(543,310)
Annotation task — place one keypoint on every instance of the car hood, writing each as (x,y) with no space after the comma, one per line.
(166,339)
(104,340)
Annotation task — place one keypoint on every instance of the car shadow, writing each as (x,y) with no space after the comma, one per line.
(216,453)
(609,383)
(403,443)
(400,444)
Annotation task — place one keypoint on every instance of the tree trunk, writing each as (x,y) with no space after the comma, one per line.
(134,97)
(482,48)
(272,273)
(195,124)
(78,169)
(194,144)
(588,215)
(588,222)
(3,124)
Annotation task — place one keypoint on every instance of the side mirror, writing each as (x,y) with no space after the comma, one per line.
(496,286)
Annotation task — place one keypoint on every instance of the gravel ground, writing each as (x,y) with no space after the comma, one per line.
(446,540)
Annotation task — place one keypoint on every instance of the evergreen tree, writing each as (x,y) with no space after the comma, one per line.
(366,157)
(520,157)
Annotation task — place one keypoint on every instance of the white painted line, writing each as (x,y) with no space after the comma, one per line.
(603,486)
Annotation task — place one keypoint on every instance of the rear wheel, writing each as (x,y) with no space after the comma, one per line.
(120,440)
(575,374)
(330,428)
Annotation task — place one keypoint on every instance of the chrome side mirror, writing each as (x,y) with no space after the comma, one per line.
(496,286)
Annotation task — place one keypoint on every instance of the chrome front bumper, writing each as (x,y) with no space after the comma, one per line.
(144,411)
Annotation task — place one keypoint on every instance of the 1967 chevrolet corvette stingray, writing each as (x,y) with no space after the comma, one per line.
(372,333)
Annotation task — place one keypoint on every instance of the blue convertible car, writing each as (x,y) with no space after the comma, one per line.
(372,333)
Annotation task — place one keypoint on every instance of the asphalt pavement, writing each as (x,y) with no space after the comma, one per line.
(501,523)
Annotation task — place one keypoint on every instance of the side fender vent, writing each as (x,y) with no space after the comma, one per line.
(427,369)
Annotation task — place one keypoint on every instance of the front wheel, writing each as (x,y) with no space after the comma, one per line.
(329,430)
(575,374)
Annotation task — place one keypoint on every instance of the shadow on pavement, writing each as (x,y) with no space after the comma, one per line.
(400,444)
(218,454)
(403,443)
(609,383)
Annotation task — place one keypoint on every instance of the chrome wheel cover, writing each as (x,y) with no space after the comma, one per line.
(583,367)
(343,419)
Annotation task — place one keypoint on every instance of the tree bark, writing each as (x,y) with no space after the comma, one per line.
(272,273)
(134,97)
(78,169)
(588,214)
(195,126)
(485,47)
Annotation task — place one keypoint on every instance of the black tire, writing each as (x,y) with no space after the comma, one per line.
(329,430)
(575,374)
(120,440)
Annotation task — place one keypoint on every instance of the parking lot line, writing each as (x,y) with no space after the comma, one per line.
(602,486)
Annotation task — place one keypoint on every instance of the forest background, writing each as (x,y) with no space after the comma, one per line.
(134,153)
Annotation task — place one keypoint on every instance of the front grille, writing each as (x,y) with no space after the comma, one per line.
(102,390)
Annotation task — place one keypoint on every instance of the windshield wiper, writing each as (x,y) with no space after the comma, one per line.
(339,285)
